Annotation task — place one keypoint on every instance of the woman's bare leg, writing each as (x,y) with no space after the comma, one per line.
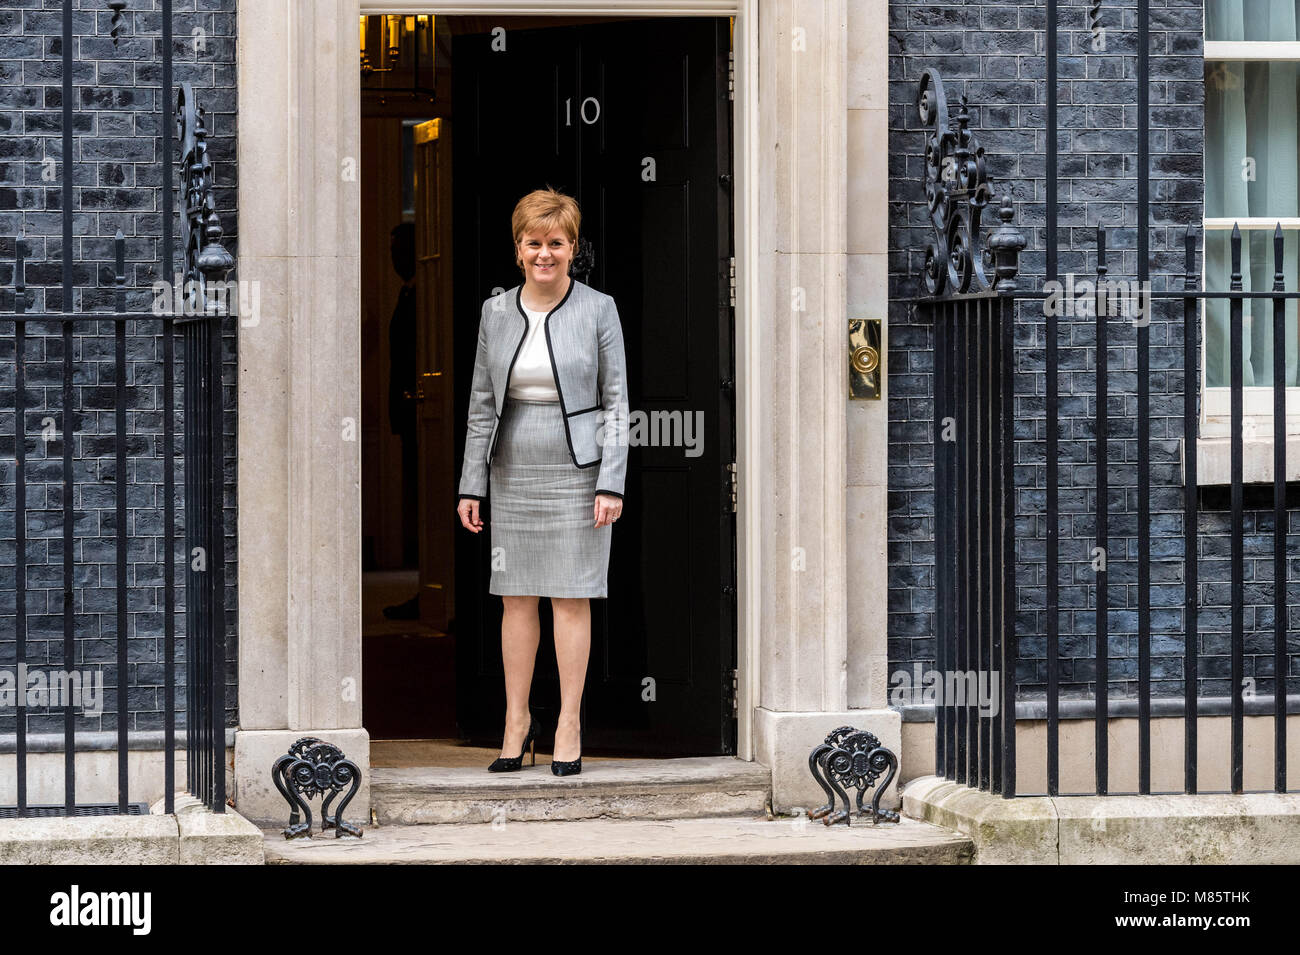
(572,648)
(521,631)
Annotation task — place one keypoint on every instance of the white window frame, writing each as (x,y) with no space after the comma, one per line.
(1216,403)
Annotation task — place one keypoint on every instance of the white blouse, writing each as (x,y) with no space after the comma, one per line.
(532,378)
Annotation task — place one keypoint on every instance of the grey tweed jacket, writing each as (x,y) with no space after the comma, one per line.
(585,340)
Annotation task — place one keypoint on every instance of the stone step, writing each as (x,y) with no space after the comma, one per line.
(608,788)
(708,840)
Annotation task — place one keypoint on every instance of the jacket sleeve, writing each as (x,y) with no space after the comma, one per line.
(481,418)
(612,434)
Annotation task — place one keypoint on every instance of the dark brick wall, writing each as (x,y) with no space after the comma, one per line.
(994,52)
(117,175)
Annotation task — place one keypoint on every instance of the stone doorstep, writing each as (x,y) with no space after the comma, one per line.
(709,840)
(1218,828)
(626,789)
(192,835)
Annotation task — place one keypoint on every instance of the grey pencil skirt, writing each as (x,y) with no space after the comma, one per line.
(542,512)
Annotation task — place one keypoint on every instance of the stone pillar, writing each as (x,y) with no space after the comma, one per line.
(868,297)
(299,392)
(822,655)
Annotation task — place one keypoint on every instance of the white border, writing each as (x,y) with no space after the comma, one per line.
(1252,50)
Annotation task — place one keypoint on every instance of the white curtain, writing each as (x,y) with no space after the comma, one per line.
(1251,131)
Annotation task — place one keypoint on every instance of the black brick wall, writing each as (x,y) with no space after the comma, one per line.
(994,52)
(117,175)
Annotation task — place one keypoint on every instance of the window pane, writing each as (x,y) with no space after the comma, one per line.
(1252,163)
(1251,19)
(1257,317)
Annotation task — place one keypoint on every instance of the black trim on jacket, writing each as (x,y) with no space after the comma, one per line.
(505,392)
(550,351)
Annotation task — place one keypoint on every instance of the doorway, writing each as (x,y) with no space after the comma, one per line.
(644,144)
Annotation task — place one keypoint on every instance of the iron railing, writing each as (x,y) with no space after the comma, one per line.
(975,306)
(200,327)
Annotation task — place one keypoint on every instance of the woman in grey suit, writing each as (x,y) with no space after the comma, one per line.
(548,428)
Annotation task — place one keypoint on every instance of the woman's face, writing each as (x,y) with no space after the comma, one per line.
(546,257)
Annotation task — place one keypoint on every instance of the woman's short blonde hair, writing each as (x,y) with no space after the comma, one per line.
(544,210)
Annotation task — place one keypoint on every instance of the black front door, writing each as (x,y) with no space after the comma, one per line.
(633,120)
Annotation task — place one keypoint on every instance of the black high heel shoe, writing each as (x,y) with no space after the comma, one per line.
(572,767)
(510,764)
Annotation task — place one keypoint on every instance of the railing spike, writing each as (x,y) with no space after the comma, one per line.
(1234,284)
(1099,295)
(1279,280)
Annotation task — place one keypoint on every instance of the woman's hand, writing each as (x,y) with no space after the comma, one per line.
(468,511)
(608,508)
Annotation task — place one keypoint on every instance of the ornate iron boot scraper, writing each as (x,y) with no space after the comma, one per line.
(854,758)
(312,767)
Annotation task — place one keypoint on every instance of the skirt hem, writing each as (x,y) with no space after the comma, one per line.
(523,593)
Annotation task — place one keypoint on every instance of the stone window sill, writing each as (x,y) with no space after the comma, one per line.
(1214,460)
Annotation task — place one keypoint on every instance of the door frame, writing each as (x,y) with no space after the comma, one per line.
(298,457)
(745,118)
